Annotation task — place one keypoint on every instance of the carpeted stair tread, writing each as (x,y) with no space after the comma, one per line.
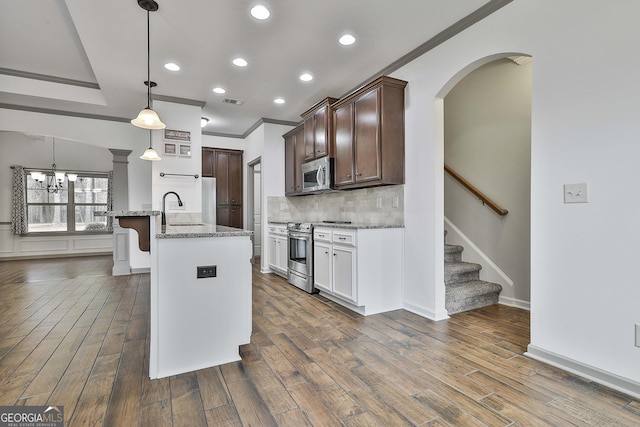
(472,288)
(453,253)
(458,271)
(464,289)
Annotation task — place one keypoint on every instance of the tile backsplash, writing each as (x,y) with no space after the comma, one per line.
(374,206)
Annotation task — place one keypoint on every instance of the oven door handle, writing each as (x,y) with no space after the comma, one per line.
(297,235)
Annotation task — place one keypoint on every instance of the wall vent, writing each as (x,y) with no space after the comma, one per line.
(232,101)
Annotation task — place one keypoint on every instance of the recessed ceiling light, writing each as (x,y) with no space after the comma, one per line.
(172,66)
(306,77)
(279,101)
(240,62)
(347,40)
(203,121)
(219,90)
(260,12)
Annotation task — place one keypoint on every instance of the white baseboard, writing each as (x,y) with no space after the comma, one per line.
(424,312)
(141,270)
(608,379)
(512,302)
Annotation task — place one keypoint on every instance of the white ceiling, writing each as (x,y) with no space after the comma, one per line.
(88,57)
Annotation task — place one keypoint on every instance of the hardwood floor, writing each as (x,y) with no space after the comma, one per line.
(72,335)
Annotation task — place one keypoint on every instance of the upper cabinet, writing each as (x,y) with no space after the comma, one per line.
(226,166)
(207,162)
(368,135)
(318,129)
(294,154)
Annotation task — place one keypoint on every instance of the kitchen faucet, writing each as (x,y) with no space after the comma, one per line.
(164,217)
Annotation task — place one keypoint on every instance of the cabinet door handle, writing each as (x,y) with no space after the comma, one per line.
(326,252)
(334,254)
(342,238)
(349,176)
(359,174)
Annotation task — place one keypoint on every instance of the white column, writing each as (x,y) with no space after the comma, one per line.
(121,265)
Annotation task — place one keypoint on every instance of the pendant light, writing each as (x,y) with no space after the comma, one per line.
(150,153)
(148,119)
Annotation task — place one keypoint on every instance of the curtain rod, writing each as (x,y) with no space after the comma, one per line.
(61,170)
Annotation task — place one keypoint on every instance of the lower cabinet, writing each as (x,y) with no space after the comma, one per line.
(230,216)
(278,243)
(361,269)
(335,263)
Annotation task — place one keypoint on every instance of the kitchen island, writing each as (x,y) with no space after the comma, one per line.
(200,297)
(200,294)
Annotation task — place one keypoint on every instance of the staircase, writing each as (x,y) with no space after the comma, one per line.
(464,289)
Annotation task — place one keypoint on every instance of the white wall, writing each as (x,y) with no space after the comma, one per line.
(584,298)
(487,140)
(267,143)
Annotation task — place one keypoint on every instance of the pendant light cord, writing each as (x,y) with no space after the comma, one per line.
(148,64)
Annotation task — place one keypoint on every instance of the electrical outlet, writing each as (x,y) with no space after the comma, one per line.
(204,271)
(379,202)
(637,335)
(283,206)
(396,202)
(576,193)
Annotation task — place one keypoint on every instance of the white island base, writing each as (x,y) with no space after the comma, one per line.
(198,323)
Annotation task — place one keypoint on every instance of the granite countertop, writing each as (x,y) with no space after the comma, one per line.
(352,226)
(127,213)
(355,225)
(187,231)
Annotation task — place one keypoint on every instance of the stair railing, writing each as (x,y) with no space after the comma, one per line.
(479,194)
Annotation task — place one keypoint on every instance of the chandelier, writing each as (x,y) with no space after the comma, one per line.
(54,179)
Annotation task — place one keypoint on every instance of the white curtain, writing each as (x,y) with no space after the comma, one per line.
(19,224)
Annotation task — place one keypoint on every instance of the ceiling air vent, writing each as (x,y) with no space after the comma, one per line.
(232,101)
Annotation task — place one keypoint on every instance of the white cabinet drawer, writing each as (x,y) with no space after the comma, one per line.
(277,229)
(322,234)
(344,237)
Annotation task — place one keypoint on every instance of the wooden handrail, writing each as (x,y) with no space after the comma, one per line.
(483,197)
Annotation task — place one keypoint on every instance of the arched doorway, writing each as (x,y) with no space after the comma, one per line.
(486,123)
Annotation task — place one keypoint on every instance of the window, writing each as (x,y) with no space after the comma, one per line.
(69,210)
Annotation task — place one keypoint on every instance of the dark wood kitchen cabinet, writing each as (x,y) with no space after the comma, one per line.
(368,135)
(318,129)
(231,216)
(207,162)
(294,153)
(226,166)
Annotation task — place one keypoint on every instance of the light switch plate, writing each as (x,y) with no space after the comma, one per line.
(576,193)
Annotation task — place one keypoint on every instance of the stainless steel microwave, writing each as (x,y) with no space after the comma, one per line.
(317,175)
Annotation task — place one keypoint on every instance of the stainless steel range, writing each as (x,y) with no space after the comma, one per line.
(300,272)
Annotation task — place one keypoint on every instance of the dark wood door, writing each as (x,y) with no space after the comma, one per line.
(309,137)
(207,162)
(235,216)
(320,133)
(343,166)
(235,179)
(289,163)
(222,177)
(294,154)
(367,137)
(299,159)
